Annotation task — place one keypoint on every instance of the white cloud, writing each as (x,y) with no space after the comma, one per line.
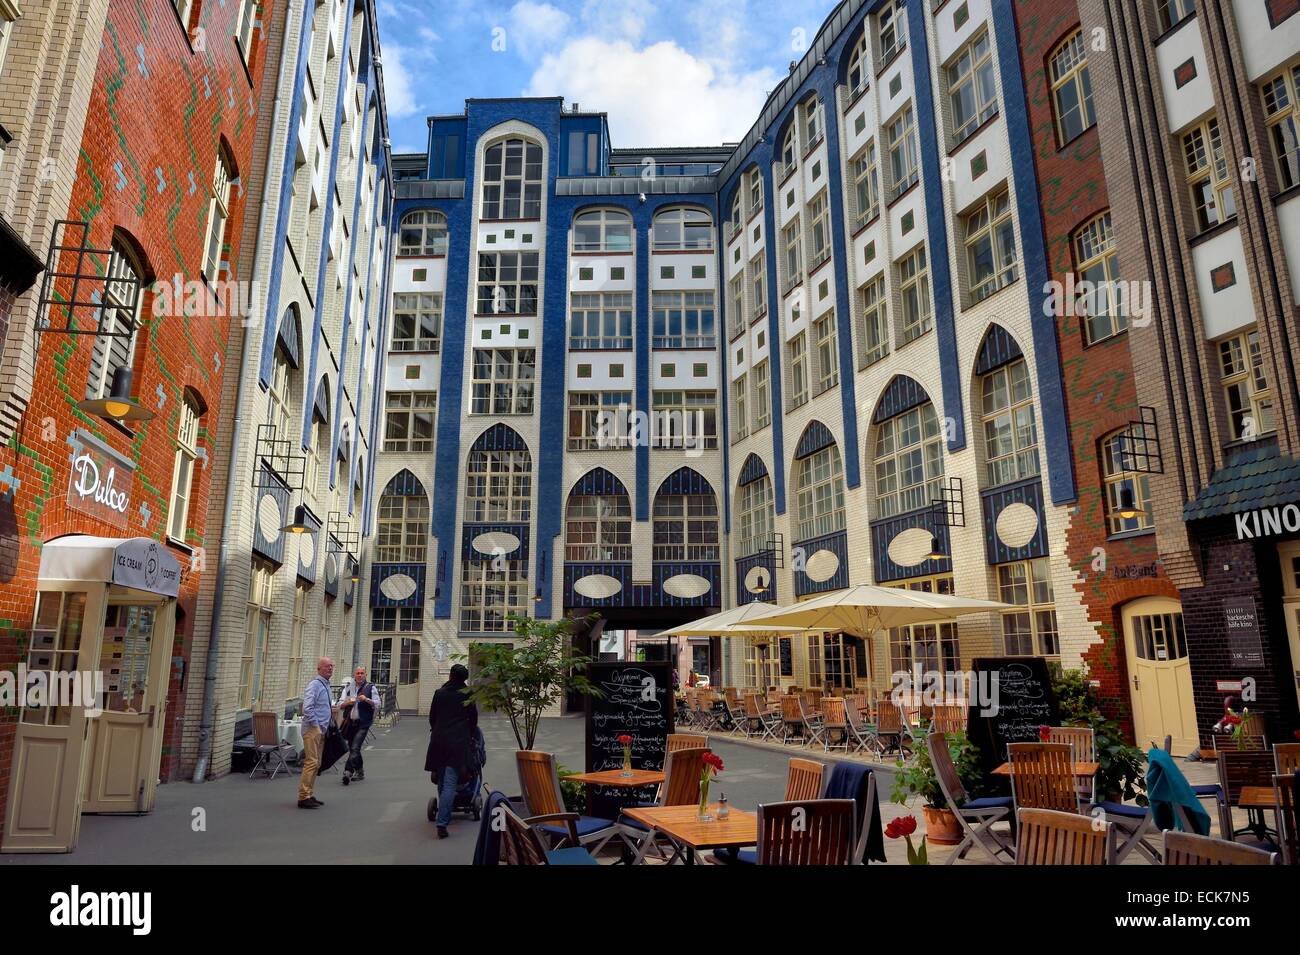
(623,20)
(398,90)
(535,26)
(657,96)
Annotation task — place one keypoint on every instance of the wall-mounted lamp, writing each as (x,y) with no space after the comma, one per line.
(1128,509)
(299,523)
(119,405)
(936,551)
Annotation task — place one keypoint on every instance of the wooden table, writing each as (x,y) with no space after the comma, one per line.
(615,779)
(1257,797)
(682,824)
(1080,769)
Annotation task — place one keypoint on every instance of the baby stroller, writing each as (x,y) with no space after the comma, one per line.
(469,794)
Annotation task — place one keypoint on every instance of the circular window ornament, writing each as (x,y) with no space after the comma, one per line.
(495,542)
(758,580)
(1017,525)
(397,586)
(821,566)
(910,547)
(269,519)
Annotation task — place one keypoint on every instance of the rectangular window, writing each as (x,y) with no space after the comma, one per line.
(873,328)
(1245,387)
(819,231)
(417,321)
(507,283)
(1010,427)
(797,359)
(123,295)
(685,419)
(758,284)
(891,29)
(600,320)
(294,686)
(904,154)
(187,432)
(811,115)
(739,412)
(792,246)
(408,421)
(684,320)
(1072,89)
(396,619)
(1281,96)
(504,380)
(828,363)
(244,28)
(1098,270)
(1173,12)
(598,420)
(1029,630)
(257,634)
(990,246)
(218,216)
(1208,175)
(402,529)
(914,296)
(762,395)
(972,95)
(866,186)
(755,193)
(934,647)
(737,304)
(490,590)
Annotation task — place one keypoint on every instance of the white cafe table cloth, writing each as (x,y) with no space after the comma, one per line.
(291,733)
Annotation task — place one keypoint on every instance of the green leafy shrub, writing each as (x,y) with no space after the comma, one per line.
(1121,774)
(918,778)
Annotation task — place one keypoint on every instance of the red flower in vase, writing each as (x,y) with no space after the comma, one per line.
(625,740)
(1231,719)
(1045,734)
(901,827)
(714,762)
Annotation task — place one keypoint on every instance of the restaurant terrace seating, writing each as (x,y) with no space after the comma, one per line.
(1042,777)
(1237,769)
(539,781)
(975,816)
(681,787)
(1187,848)
(521,845)
(1052,837)
(759,723)
(807,832)
(268,746)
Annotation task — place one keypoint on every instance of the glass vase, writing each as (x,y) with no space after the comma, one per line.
(627,761)
(704,801)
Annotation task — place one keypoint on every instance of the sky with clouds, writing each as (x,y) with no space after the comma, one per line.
(668,72)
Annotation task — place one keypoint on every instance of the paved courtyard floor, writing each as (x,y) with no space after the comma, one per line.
(382,819)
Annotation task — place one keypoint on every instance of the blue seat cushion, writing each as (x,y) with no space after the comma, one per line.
(632,823)
(736,856)
(586,825)
(1209,789)
(1122,809)
(990,802)
(575,855)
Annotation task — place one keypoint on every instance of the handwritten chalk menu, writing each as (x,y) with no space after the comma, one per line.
(636,701)
(1011,697)
(1245,643)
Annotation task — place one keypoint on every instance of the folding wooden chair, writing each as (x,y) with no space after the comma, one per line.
(758,723)
(1289,834)
(891,728)
(1187,848)
(268,746)
(678,741)
(1042,777)
(975,816)
(521,845)
(539,781)
(807,832)
(1052,837)
(834,722)
(1286,758)
(792,719)
(1238,768)
(1083,741)
(860,733)
(803,779)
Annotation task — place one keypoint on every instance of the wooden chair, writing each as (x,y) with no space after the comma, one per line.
(891,727)
(949,718)
(758,723)
(1051,837)
(813,726)
(1251,742)
(835,721)
(792,719)
(1084,743)
(521,845)
(732,696)
(807,832)
(975,816)
(702,712)
(681,787)
(1284,791)
(1042,777)
(1187,848)
(803,779)
(1238,769)
(539,781)
(860,731)
(1286,758)
(268,746)
(678,741)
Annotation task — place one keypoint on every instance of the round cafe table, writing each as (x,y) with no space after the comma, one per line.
(291,733)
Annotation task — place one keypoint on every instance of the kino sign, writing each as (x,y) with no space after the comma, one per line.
(1268,521)
(100,482)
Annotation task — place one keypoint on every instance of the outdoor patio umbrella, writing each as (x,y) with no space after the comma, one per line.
(735,622)
(864,609)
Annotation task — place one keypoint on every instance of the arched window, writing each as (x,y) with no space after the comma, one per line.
(282,394)
(218,214)
(819,494)
(754,192)
(810,122)
(789,150)
(598,528)
(1127,491)
(120,322)
(685,522)
(683,228)
(402,528)
(756,516)
(423,233)
(499,486)
(1071,88)
(1097,264)
(735,213)
(1010,427)
(909,461)
(858,74)
(187,450)
(512,180)
(602,230)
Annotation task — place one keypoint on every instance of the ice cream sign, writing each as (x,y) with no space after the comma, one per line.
(100,481)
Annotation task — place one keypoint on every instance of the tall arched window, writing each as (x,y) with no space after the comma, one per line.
(1010,427)
(858,75)
(512,180)
(1096,262)
(819,494)
(423,233)
(909,461)
(120,322)
(1127,490)
(683,228)
(402,528)
(598,528)
(735,213)
(789,156)
(756,516)
(685,521)
(1071,88)
(602,230)
(499,486)
(218,214)
(187,449)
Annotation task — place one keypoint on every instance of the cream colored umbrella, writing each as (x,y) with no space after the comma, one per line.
(864,609)
(735,622)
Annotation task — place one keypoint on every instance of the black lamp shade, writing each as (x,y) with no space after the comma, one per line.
(299,524)
(119,405)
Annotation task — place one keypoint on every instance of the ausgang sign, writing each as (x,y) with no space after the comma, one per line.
(101,480)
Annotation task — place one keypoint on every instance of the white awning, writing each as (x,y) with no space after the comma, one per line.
(136,562)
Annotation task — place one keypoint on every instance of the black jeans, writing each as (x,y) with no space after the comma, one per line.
(354,764)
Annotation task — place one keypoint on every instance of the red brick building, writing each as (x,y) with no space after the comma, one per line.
(1115,559)
(155,220)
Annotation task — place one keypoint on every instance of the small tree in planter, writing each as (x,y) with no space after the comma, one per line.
(918,778)
(524,680)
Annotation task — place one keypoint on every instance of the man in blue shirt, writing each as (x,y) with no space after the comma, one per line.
(318,712)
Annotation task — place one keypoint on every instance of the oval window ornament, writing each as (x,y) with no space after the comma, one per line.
(493,543)
(821,566)
(687,586)
(597,586)
(397,586)
(910,547)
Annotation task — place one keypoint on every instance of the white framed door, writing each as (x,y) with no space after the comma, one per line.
(1160,674)
(44,811)
(1288,554)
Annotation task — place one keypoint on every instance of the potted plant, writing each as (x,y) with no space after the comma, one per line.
(1121,768)
(918,778)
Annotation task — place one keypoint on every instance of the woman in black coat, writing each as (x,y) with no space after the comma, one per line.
(450,761)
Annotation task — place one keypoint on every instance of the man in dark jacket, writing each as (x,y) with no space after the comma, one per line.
(451,759)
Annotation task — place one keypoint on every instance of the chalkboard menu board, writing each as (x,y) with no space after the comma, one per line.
(1011,697)
(635,701)
(787,656)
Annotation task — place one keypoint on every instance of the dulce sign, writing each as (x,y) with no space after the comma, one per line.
(100,481)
